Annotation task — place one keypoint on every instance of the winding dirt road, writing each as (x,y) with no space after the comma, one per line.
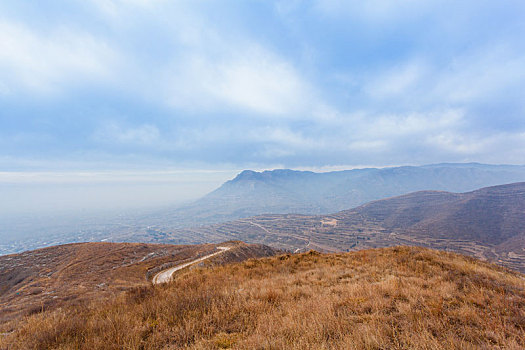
(166,275)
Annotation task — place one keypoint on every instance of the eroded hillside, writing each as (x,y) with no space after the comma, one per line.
(74,274)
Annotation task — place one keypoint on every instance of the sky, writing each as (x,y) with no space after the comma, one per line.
(121,100)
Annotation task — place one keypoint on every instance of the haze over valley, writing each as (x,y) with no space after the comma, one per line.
(252,193)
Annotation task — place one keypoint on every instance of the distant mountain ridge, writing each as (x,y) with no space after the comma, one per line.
(488,223)
(284,191)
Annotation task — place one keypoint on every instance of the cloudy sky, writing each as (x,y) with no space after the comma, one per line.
(212,87)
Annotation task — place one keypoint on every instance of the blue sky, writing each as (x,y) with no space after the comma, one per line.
(137,85)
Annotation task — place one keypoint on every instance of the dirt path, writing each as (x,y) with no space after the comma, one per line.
(165,276)
(305,248)
(260,226)
(291,235)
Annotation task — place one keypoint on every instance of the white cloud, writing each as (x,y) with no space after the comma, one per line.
(114,8)
(44,62)
(452,141)
(509,146)
(143,135)
(373,125)
(373,10)
(202,68)
(397,80)
(480,74)
(262,83)
(253,80)
(359,91)
(275,151)
(413,123)
(473,76)
(373,132)
(283,136)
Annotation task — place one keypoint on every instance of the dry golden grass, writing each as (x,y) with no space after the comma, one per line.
(69,274)
(394,298)
(75,273)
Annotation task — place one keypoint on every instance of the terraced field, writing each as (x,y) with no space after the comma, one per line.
(488,223)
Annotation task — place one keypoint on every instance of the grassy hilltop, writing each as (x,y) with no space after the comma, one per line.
(387,298)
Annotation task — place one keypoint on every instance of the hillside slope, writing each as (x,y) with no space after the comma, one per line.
(303,192)
(488,223)
(75,273)
(490,215)
(395,298)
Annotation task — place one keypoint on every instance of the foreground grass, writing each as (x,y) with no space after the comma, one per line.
(377,299)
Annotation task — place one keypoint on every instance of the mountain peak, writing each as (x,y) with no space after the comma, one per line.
(247,175)
(268,174)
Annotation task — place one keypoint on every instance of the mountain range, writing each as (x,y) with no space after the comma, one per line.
(285,191)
